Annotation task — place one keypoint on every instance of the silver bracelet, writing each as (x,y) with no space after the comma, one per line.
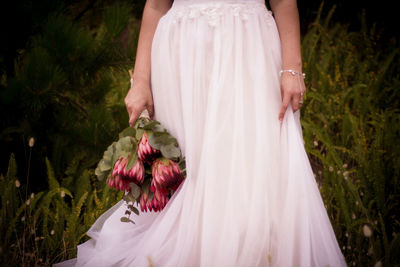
(293,72)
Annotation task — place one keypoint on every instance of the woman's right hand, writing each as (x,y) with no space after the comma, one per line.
(138,99)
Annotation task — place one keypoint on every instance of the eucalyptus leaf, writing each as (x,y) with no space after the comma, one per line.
(107,156)
(115,154)
(150,125)
(158,140)
(131,161)
(182,164)
(139,134)
(98,172)
(158,128)
(170,151)
(125,219)
(141,122)
(135,190)
(146,186)
(128,198)
(124,154)
(104,165)
(152,137)
(125,144)
(100,175)
(129,131)
(134,209)
(166,140)
(165,161)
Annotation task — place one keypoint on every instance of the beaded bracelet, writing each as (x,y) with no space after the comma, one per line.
(293,72)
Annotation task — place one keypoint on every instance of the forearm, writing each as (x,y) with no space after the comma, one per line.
(153,11)
(287,19)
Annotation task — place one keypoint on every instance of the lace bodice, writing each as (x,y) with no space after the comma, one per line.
(212,10)
(214,1)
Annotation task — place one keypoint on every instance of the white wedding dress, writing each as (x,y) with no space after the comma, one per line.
(250,197)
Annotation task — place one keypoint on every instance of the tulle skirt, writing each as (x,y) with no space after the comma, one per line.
(250,197)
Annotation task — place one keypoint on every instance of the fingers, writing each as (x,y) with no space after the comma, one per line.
(150,109)
(134,115)
(285,104)
(291,91)
(296,101)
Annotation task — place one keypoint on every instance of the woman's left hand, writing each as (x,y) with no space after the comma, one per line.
(292,89)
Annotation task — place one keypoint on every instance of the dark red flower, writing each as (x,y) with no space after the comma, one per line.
(146,153)
(166,173)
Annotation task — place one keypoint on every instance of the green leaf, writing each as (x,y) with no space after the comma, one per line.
(100,175)
(150,125)
(157,140)
(135,190)
(108,154)
(170,151)
(53,183)
(129,131)
(182,164)
(139,134)
(141,122)
(125,219)
(158,128)
(146,185)
(129,198)
(165,161)
(131,160)
(124,144)
(134,209)
(104,165)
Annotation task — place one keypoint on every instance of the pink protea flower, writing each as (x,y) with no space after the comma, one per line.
(118,183)
(157,203)
(160,198)
(146,153)
(121,177)
(136,173)
(144,199)
(166,173)
(116,167)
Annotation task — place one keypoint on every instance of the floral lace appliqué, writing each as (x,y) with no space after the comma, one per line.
(214,11)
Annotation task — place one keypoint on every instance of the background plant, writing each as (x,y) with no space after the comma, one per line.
(351,127)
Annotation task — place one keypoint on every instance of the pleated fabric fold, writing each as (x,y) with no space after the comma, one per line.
(250,197)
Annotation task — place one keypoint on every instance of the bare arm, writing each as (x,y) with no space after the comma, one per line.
(287,19)
(139,96)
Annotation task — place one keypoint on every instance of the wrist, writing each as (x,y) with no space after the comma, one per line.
(292,72)
(296,66)
(140,78)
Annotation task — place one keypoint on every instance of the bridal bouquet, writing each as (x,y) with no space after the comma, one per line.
(146,163)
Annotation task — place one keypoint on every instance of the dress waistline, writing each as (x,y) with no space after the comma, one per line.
(216,2)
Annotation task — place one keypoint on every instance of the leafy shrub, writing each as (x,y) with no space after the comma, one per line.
(351,126)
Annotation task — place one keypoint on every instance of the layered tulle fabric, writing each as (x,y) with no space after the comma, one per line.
(250,197)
